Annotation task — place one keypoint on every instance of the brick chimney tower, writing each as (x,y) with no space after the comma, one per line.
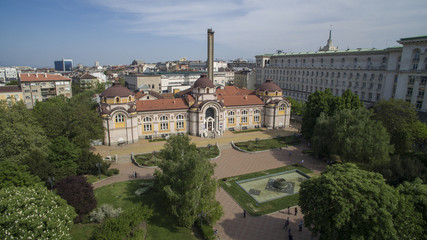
(210,61)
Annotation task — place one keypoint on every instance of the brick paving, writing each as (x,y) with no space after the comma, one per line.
(232,225)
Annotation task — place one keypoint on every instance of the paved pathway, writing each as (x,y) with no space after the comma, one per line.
(232,225)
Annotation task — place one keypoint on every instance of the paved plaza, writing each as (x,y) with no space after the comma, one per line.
(232,225)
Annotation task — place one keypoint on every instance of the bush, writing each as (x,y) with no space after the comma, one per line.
(78,193)
(125,226)
(104,211)
(111,172)
(207,231)
(87,163)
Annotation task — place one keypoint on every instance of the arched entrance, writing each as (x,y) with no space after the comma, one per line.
(210,123)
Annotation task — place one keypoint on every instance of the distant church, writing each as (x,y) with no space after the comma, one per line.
(203,110)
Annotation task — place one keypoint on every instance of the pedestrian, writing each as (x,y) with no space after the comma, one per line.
(244,213)
(289,232)
(287,223)
(296,211)
(290,154)
(289,212)
(300,226)
(136,175)
(302,162)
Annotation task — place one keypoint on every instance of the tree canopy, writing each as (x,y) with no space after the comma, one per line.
(13,174)
(401,121)
(186,181)
(78,193)
(34,213)
(348,203)
(324,102)
(21,138)
(75,118)
(353,136)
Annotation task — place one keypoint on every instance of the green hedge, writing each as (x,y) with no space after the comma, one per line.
(206,230)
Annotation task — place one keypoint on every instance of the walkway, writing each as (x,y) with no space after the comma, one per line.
(232,225)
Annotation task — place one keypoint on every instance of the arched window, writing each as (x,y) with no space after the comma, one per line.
(130,98)
(282,107)
(164,122)
(207,90)
(120,118)
(117,100)
(147,121)
(231,115)
(180,121)
(244,116)
(257,116)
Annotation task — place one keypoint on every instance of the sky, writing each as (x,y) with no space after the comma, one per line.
(38,32)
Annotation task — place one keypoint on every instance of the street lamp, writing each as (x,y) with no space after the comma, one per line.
(51,181)
(98,165)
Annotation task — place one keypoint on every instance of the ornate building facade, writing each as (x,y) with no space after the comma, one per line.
(203,110)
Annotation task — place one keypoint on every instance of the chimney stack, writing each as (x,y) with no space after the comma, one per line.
(210,61)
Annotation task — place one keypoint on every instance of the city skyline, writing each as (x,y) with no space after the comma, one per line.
(37,33)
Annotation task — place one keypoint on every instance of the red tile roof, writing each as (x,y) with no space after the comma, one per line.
(10,89)
(232,90)
(240,100)
(41,77)
(161,104)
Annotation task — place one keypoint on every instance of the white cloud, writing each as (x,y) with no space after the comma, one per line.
(257,26)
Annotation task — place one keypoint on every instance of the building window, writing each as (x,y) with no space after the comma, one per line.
(117,100)
(282,107)
(244,116)
(147,124)
(257,116)
(409,92)
(421,92)
(120,118)
(231,117)
(180,122)
(130,98)
(164,123)
(411,80)
(419,105)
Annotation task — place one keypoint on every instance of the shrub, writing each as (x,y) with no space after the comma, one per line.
(125,226)
(78,193)
(111,172)
(104,211)
(207,231)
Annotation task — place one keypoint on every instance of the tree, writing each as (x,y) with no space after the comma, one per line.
(348,203)
(353,136)
(416,192)
(403,168)
(399,118)
(78,193)
(297,106)
(34,213)
(75,118)
(324,102)
(21,137)
(87,163)
(16,175)
(186,182)
(63,156)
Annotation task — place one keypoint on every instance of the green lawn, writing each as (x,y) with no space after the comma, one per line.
(266,144)
(150,159)
(93,178)
(247,202)
(161,226)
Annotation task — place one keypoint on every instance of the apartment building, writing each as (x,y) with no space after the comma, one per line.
(41,86)
(373,74)
(10,94)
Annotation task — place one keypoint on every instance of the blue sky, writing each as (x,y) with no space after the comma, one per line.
(37,32)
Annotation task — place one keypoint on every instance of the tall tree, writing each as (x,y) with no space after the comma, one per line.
(21,137)
(324,102)
(348,203)
(399,118)
(63,156)
(16,175)
(353,136)
(34,213)
(186,181)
